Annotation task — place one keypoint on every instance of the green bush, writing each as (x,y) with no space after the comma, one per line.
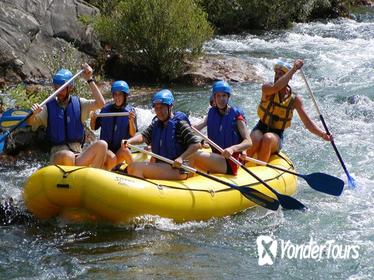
(155,36)
(233,16)
(69,58)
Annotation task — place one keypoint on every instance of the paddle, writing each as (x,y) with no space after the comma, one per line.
(286,201)
(319,181)
(7,133)
(12,117)
(116,114)
(251,194)
(351,180)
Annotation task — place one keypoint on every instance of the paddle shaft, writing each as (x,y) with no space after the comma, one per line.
(286,201)
(218,148)
(42,104)
(251,194)
(185,167)
(116,114)
(259,162)
(324,124)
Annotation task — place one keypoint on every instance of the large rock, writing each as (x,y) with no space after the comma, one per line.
(210,68)
(34,27)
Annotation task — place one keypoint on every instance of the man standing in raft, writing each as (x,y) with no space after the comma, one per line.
(227,128)
(114,129)
(64,116)
(275,112)
(170,136)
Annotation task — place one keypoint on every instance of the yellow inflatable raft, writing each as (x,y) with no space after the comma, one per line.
(90,194)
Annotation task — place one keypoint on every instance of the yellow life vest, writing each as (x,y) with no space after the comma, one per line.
(276,114)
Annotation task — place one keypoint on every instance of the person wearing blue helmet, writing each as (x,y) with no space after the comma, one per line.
(116,128)
(64,117)
(227,128)
(170,136)
(275,111)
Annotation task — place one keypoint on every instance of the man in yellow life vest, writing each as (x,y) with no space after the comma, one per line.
(275,112)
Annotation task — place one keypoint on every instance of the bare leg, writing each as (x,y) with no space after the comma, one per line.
(94,156)
(63,158)
(111,160)
(124,155)
(269,145)
(256,137)
(211,162)
(159,170)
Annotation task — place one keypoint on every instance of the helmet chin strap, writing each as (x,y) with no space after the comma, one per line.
(66,98)
(169,113)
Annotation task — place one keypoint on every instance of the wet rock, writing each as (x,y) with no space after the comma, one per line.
(23,141)
(208,69)
(353,99)
(32,28)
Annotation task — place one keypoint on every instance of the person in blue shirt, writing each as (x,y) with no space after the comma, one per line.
(116,128)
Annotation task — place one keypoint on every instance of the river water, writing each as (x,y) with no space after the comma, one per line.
(339,64)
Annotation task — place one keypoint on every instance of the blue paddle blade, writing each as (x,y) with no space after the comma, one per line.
(2,140)
(325,183)
(2,146)
(351,183)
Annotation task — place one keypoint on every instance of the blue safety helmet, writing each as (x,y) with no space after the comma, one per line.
(120,86)
(163,96)
(282,66)
(62,76)
(221,86)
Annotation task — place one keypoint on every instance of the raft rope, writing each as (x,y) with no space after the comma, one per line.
(67,173)
(212,192)
(287,160)
(161,186)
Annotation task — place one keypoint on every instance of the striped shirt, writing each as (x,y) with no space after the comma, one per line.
(185,134)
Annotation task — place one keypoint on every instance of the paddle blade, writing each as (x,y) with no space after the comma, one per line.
(259,198)
(290,203)
(2,140)
(325,183)
(1,146)
(351,182)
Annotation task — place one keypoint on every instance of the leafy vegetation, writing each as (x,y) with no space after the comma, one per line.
(246,15)
(64,57)
(155,35)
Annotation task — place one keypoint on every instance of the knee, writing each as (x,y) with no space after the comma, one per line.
(101,145)
(64,158)
(131,168)
(267,139)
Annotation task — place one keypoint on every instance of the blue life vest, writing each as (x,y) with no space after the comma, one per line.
(164,139)
(114,129)
(64,124)
(223,129)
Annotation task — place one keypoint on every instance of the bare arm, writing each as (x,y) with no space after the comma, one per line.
(96,94)
(137,139)
(132,126)
(242,146)
(190,150)
(93,120)
(201,124)
(308,123)
(269,89)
